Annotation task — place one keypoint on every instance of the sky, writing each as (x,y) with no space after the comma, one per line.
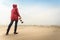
(33,12)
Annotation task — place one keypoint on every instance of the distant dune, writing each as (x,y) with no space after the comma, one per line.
(29,32)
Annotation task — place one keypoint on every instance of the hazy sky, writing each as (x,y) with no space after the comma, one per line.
(33,12)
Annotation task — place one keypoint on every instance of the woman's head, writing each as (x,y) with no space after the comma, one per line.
(14,5)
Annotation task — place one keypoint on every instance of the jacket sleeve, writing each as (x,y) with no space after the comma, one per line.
(17,12)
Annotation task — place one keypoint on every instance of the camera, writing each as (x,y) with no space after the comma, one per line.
(21,21)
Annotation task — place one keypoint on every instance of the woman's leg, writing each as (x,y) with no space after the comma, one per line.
(9,26)
(15,29)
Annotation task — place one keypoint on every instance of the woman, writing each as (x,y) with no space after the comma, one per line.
(14,17)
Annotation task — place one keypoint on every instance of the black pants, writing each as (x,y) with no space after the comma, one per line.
(9,26)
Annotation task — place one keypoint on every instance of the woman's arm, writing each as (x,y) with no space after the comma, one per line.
(18,13)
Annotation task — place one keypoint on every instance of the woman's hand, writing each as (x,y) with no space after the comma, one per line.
(19,18)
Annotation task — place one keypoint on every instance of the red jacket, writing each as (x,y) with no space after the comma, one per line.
(14,14)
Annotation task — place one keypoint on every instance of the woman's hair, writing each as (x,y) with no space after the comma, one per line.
(14,5)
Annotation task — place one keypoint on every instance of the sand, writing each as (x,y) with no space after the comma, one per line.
(31,33)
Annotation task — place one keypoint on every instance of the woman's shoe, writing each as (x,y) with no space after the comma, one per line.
(15,33)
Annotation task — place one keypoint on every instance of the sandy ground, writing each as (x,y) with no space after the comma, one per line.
(31,33)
